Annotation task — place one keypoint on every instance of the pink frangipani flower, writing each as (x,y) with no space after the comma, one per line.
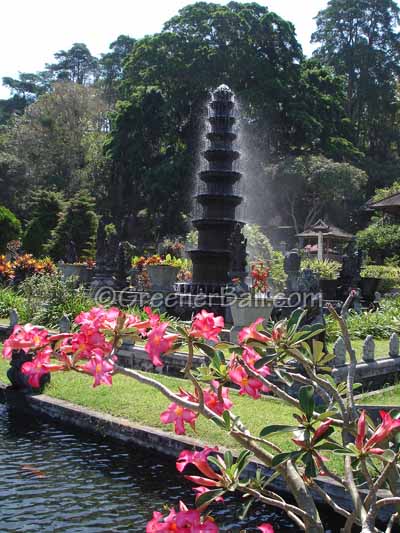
(251,333)
(185,520)
(248,385)
(159,342)
(266,528)
(39,366)
(27,338)
(100,368)
(178,415)
(207,326)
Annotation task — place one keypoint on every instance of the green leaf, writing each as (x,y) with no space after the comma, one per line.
(311,470)
(227,419)
(285,456)
(205,499)
(266,360)
(295,319)
(242,461)
(205,348)
(277,428)
(306,399)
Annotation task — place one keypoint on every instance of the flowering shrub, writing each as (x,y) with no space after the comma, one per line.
(6,269)
(259,276)
(370,453)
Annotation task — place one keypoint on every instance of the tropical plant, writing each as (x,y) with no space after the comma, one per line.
(49,297)
(326,268)
(261,362)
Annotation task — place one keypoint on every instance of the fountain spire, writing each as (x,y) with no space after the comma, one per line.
(217,198)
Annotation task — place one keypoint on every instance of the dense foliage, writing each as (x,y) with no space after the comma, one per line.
(319,134)
(10,227)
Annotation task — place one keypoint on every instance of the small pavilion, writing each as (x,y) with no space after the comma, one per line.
(323,240)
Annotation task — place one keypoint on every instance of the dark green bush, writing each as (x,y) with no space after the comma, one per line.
(10,227)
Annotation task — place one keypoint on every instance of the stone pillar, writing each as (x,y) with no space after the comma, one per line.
(394,345)
(64,324)
(339,351)
(14,318)
(369,349)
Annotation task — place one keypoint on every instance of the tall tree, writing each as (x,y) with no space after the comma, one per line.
(58,136)
(167,78)
(76,65)
(111,65)
(359,38)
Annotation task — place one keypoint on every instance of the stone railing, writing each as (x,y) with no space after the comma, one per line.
(371,371)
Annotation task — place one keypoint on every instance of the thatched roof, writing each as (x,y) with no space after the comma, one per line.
(390,204)
(327,230)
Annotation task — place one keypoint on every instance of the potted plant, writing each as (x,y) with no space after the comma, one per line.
(83,270)
(378,277)
(162,270)
(328,272)
(248,305)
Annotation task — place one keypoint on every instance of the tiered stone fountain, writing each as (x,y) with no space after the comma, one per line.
(217,199)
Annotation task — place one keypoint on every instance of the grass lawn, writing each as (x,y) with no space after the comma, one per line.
(382,397)
(142,404)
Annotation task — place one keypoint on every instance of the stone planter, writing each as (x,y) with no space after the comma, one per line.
(83,274)
(246,310)
(329,288)
(162,277)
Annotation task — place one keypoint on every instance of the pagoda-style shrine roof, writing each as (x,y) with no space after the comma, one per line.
(327,230)
(390,204)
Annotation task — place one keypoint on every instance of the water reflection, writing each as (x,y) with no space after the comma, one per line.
(57,480)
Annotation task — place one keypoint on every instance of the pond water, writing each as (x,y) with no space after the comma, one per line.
(58,480)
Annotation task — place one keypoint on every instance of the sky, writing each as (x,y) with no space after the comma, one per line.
(32,31)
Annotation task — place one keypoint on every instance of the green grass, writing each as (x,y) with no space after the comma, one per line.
(142,404)
(383,397)
(381,348)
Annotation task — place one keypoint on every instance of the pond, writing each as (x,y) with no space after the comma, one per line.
(55,480)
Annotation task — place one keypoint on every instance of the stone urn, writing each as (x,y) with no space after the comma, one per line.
(80,271)
(162,277)
(246,310)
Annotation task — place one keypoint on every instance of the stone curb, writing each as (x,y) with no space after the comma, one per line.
(131,433)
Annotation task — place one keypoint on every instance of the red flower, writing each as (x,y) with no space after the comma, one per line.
(213,402)
(266,528)
(39,366)
(250,357)
(158,342)
(26,338)
(185,520)
(251,332)
(100,369)
(207,326)
(179,416)
(198,459)
(380,434)
(248,385)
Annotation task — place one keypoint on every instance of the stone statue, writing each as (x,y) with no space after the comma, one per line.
(349,277)
(291,267)
(70,255)
(238,245)
(106,255)
(308,282)
(124,265)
